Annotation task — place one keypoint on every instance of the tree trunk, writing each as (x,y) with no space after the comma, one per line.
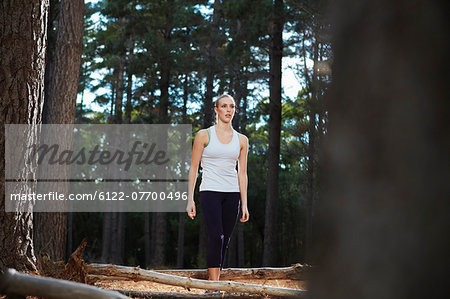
(180,241)
(121,244)
(118,106)
(236,85)
(50,229)
(182,216)
(160,231)
(242,126)
(276,54)
(113,233)
(128,105)
(160,223)
(113,97)
(113,250)
(208,110)
(23,34)
(117,237)
(385,158)
(244,106)
(147,238)
(69,247)
(311,150)
(106,237)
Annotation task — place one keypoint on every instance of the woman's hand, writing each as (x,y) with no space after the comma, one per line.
(245,214)
(190,209)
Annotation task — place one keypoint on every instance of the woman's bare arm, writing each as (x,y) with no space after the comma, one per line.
(200,141)
(242,176)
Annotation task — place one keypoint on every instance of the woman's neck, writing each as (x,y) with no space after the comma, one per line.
(224,126)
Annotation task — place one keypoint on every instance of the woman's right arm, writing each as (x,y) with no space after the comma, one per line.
(200,141)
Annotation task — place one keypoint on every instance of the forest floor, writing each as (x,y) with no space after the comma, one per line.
(76,270)
(146,286)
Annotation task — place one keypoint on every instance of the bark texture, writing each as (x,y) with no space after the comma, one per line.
(23,33)
(59,108)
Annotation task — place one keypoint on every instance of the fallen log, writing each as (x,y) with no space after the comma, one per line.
(15,283)
(294,272)
(187,282)
(164,295)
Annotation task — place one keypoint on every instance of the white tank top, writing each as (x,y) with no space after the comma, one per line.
(219,164)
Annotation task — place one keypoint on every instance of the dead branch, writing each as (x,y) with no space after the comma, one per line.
(15,283)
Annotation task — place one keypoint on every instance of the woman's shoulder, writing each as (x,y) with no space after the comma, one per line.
(243,140)
(202,133)
(203,136)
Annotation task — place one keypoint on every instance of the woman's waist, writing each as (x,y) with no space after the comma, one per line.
(222,171)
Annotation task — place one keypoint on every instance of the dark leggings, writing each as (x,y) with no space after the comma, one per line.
(220,212)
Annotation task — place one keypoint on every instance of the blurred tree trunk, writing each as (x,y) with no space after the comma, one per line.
(22,64)
(276,55)
(384,211)
(50,229)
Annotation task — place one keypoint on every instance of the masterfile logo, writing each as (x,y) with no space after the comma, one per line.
(144,156)
(96,168)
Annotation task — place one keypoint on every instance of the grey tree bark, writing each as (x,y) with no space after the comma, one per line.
(59,108)
(23,40)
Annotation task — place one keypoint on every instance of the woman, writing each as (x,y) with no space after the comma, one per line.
(223,190)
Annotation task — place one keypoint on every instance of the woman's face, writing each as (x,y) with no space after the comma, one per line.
(225,109)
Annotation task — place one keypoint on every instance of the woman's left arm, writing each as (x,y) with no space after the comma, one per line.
(242,176)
